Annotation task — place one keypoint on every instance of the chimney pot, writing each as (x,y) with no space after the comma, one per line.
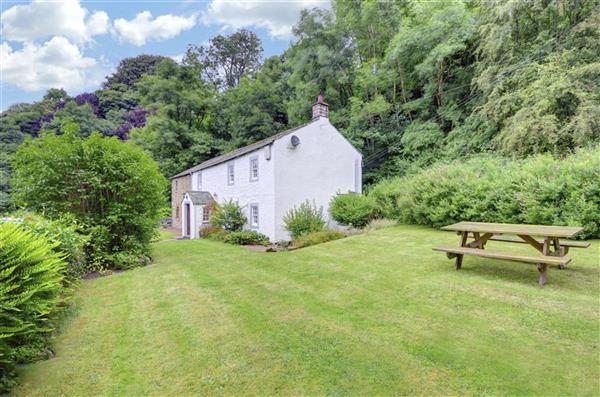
(320,108)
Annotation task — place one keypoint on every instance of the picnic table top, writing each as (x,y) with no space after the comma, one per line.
(529,230)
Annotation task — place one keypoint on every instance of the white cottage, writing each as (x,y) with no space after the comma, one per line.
(267,178)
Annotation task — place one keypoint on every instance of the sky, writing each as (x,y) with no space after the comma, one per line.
(73,44)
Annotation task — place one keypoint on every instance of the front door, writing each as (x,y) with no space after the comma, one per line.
(187,219)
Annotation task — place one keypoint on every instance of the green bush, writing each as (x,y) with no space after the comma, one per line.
(352,209)
(31,291)
(306,218)
(228,216)
(537,190)
(246,237)
(64,233)
(114,191)
(208,231)
(314,238)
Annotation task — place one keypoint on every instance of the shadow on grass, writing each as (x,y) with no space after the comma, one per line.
(526,273)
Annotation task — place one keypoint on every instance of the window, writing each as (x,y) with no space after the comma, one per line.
(177,212)
(253,169)
(253,215)
(230,174)
(205,214)
(176,184)
(199,181)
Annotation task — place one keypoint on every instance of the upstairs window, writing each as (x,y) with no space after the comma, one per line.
(199,181)
(205,214)
(253,216)
(230,174)
(253,169)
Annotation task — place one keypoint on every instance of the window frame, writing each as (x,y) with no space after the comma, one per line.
(205,214)
(251,216)
(230,174)
(199,180)
(253,160)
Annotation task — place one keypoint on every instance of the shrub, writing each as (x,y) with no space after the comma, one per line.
(64,233)
(228,216)
(537,190)
(352,209)
(207,231)
(246,237)
(31,276)
(114,190)
(377,224)
(314,238)
(306,218)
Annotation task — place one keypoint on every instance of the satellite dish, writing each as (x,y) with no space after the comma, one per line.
(295,141)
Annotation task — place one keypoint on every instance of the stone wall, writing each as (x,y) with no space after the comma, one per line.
(178,187)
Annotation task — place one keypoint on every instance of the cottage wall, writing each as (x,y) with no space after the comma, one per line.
(178,188)
(244,190)
(323,164)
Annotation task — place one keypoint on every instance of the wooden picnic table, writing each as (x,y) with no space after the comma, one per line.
(553,250)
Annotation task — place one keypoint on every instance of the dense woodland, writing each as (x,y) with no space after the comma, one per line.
(410,83)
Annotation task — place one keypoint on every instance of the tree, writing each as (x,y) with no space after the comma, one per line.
(130,70)
(113,189)
(255,108)
(227,59)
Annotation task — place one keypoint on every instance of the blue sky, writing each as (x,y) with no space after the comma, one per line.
(73,44)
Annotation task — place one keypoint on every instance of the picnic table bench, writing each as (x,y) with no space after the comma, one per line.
(551,246)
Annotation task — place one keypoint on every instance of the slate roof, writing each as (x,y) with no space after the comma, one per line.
(199,197)
(239,152)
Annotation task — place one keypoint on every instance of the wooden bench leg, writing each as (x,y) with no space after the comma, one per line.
(458,263)
(463,243)
(542,268)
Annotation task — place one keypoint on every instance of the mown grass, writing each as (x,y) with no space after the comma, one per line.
(378,313)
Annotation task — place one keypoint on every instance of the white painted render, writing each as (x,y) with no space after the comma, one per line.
(323,164)
(243,190)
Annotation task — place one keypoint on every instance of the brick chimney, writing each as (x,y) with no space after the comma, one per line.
(320,108)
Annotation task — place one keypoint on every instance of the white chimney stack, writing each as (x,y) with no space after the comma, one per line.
(320,108)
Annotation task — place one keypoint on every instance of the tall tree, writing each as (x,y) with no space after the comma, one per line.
(226,59)
(130,70)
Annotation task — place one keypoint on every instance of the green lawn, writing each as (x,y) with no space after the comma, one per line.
(378,313)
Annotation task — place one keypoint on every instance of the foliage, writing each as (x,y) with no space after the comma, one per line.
(303,219)
(31,276)
(246,237)
(352,209)
(228,216)
(319,237)
(538,190)
(227,59)
(382,223)
(64,234)
(208,231)
(130,70)
(114,191)
(177,130)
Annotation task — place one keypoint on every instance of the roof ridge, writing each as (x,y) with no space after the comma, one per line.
(241,150)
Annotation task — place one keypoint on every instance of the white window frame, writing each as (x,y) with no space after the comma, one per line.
(205,214)
(230,174)
(253,210)
(199,180)
(253,161)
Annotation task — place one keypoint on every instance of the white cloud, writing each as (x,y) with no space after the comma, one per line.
(56,63)
(277,17)
(144,28)
(43,19)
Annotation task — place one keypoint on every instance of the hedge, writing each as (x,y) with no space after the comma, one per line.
(537,190)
